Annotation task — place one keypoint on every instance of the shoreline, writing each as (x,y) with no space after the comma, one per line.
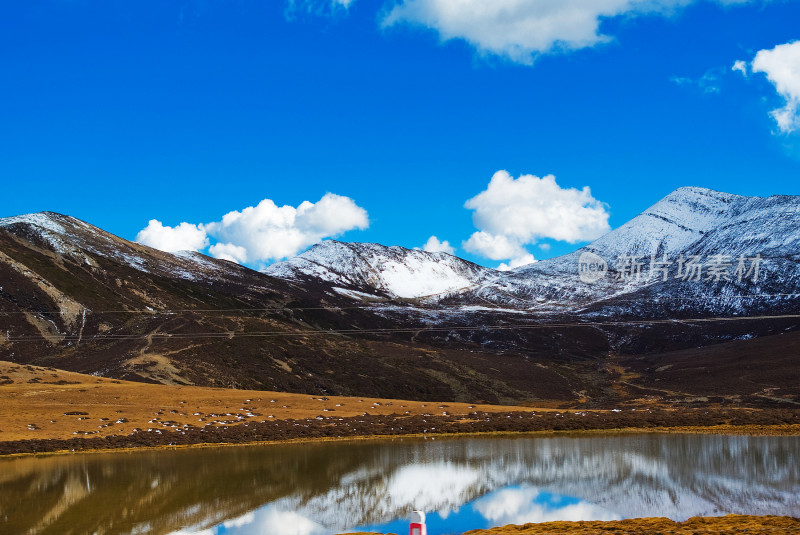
(744,430)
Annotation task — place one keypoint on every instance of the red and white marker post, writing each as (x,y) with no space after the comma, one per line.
(417,526)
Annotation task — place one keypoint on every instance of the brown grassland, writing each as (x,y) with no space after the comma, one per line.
(47,410)
(47,403)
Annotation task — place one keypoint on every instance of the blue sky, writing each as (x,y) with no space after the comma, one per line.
(121,112)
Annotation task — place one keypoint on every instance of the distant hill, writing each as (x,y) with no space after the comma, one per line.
(366,319)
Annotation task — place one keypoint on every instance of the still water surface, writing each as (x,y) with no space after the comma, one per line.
(325,488)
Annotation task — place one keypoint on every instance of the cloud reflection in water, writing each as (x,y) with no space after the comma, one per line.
(510,505)
(521,505)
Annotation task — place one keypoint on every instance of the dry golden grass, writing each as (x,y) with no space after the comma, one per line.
(46,403)
(34,405)
(726,525)
(731,524)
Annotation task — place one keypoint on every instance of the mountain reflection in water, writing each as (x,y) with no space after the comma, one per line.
(324,488)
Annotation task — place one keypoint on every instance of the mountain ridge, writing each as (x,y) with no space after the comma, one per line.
(388,270)
(367,319)
(689,222)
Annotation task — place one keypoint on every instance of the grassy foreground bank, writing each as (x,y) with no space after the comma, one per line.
(725,525)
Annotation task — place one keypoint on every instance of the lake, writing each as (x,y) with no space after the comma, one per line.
(461,483)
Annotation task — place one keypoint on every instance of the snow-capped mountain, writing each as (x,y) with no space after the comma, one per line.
(76,297)
(81,242)
(369,270)
(698,248)
(342,317)
(697,221)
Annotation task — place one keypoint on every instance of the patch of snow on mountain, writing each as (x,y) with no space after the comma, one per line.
(353,294)
(401,272)
(41,219)
(196,264)
(417,277)
(134,261)
(49,230)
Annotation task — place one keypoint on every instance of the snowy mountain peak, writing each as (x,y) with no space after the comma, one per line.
(693,208)
(679,220)
(72,238)
(46,220)
(698,193)
(375,269)
(689,222)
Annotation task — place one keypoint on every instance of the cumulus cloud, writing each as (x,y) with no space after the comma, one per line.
(433,245)
(781,65)
(262,233)
(494,246)
(520,30)
(529,207)
(183,237)
(519,261)
(229,251)
(512,213)
(267,232)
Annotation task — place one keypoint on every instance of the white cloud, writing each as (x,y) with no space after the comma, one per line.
(520,30)
(525,505)
(512,213)
(229,251)
(433,245)
(709,82)
(316,7)
(193,531)
(446,485)
(243,520)
(261,233)
(523,260)
(276,522)
(740,66)
(267,232)
(496,247)
(184,237)
(781,65)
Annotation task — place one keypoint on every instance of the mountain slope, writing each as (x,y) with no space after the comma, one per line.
(696,251)
(689,223)
(364,319)
(377,270)
(84,300)
(64,268)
